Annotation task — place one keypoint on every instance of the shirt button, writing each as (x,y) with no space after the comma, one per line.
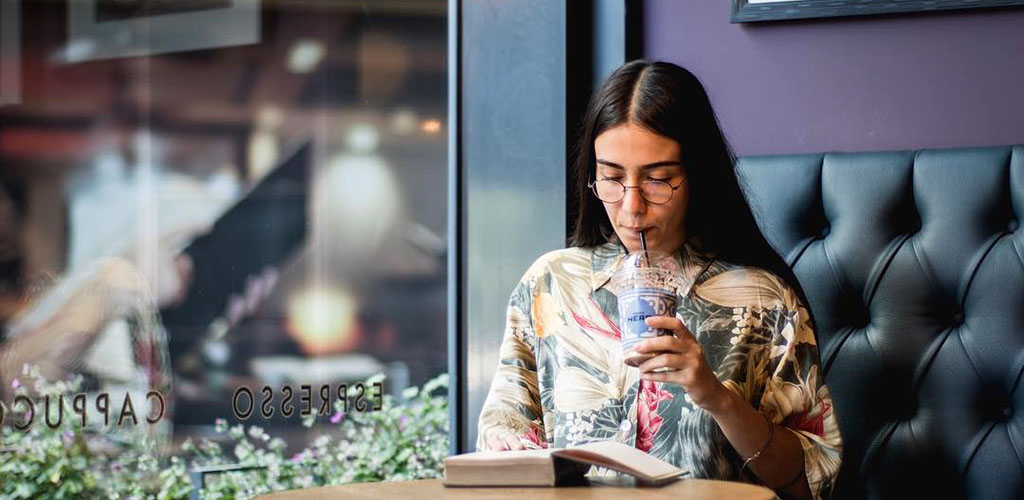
(625,426)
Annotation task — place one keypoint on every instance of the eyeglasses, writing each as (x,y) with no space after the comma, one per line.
(654,191)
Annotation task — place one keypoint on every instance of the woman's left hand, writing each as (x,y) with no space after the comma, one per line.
(680,360)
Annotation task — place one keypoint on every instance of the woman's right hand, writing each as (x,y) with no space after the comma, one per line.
(503,440)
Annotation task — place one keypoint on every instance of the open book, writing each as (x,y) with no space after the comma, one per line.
(552,467)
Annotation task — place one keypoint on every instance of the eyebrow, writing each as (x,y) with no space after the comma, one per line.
(666,163)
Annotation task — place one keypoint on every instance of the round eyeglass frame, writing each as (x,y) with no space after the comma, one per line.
(593,189)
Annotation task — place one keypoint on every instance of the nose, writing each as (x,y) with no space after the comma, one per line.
(633,202)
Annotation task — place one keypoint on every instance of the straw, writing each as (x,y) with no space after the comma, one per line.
(643,245)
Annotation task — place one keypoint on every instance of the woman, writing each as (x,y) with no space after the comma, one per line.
(736,393)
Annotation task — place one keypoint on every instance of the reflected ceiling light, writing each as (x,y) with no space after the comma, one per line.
(76,50)
(362,138)
(432,126)
(263,152)
(269,116)
(323,320)
(358,203)
(305,55)
(403,121)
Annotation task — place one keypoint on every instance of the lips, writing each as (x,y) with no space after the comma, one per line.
(638,229)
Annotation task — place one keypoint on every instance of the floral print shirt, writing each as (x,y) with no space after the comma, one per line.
(561,380)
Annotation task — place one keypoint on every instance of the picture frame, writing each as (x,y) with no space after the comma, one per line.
(748,11)
(105,29)
(10,52)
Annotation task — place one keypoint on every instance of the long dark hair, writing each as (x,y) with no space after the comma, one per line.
(670,101)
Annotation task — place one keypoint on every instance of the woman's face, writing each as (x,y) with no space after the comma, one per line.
(631,155)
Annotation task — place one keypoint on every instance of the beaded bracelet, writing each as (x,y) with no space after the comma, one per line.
(771,433)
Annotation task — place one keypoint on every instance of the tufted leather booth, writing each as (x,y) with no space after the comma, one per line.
(913,267)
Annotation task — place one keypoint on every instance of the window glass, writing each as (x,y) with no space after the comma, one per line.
(211,209)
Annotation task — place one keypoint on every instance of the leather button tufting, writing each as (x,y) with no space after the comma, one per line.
(865,318)
(908,409)
(927,401)
(994,404)
(957,319)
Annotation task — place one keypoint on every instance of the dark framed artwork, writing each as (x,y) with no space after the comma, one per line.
(10,52)
(104,29)
(745,11)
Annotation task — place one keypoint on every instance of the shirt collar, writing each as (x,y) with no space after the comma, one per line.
(607,258)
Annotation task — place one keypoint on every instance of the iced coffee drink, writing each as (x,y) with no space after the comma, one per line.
(646,285)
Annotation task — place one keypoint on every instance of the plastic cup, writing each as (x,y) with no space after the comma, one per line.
(646,285)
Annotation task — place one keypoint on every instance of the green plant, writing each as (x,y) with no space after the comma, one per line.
(404,440)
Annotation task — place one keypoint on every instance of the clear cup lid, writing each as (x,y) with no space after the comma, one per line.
(649,269)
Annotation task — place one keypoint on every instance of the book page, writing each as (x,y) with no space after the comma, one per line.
(622,458)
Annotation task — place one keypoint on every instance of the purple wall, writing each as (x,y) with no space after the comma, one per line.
(945,79)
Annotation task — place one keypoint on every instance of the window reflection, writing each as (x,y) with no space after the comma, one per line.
(136,131)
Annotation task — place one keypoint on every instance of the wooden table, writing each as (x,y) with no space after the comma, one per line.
(601,488)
